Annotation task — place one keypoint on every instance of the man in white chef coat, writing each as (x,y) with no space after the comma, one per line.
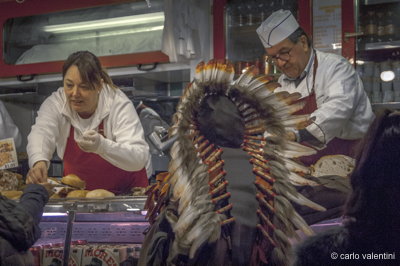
(340,111)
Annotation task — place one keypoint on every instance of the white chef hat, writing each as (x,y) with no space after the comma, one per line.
(277,27)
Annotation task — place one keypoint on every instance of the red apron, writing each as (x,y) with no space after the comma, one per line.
(336,145)
(97,172)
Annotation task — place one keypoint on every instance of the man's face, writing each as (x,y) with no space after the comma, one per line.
(291,58)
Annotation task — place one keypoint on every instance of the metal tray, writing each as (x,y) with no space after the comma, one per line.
(132,204)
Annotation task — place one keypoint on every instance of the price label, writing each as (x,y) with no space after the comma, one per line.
(8,154)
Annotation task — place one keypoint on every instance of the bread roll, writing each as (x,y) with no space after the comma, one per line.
(77,194)
(339,165)
(12,194)
(100,193)
(73,181)
(138,191)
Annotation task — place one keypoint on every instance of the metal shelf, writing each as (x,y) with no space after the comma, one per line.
(382,45)
(391,105)
(374,2)
(172,72)
(81,205)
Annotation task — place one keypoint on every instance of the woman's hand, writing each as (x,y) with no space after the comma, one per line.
(90,141)
(38,173)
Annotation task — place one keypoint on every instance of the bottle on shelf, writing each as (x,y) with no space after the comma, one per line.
(361,28)
(257,64)
(229,15)
(267,65)
(240,14)
(396,81)
(238,67)
(261,11)
(390,28)
(386,86)
(251,16)
(370,26)
(367,72)
(376,84)
(380,27)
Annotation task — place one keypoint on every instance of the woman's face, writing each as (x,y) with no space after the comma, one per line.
(81,97)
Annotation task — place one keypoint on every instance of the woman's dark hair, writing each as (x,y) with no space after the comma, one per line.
(89,68)
(295,36)
(373,207)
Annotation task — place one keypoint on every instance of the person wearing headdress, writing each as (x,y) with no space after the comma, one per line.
(340,111)
(228,194)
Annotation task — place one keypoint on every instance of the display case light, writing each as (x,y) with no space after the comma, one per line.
(106,23)
(129,208)
(54,214)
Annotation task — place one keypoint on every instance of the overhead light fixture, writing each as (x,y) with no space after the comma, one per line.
(92,35)
(106,23)
(387,75)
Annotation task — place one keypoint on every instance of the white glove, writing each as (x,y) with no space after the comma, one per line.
(90,141)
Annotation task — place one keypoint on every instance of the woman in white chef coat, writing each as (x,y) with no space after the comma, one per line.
(8,128)
(93,126)
(340,112)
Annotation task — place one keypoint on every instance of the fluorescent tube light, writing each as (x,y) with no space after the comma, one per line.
(106,23)
(54,214)
(91,35)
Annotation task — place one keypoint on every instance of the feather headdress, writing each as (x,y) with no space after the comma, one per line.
(216,111)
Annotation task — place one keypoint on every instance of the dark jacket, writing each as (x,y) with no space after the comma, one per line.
(19,225)
(338,246)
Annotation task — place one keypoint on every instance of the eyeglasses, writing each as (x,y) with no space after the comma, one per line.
(285,56)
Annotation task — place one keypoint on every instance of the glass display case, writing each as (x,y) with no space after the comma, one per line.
(235,36)
(38,35)
(69,225)
(378,50)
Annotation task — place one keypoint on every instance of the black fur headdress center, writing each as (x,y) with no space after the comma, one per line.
(220,122)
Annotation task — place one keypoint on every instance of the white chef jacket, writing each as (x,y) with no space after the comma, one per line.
(8,128)
(125,146)
(344,110)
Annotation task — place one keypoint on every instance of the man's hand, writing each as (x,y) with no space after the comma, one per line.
(38,173)
(90,141)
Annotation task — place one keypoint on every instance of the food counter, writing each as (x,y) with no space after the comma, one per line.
(65,222)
